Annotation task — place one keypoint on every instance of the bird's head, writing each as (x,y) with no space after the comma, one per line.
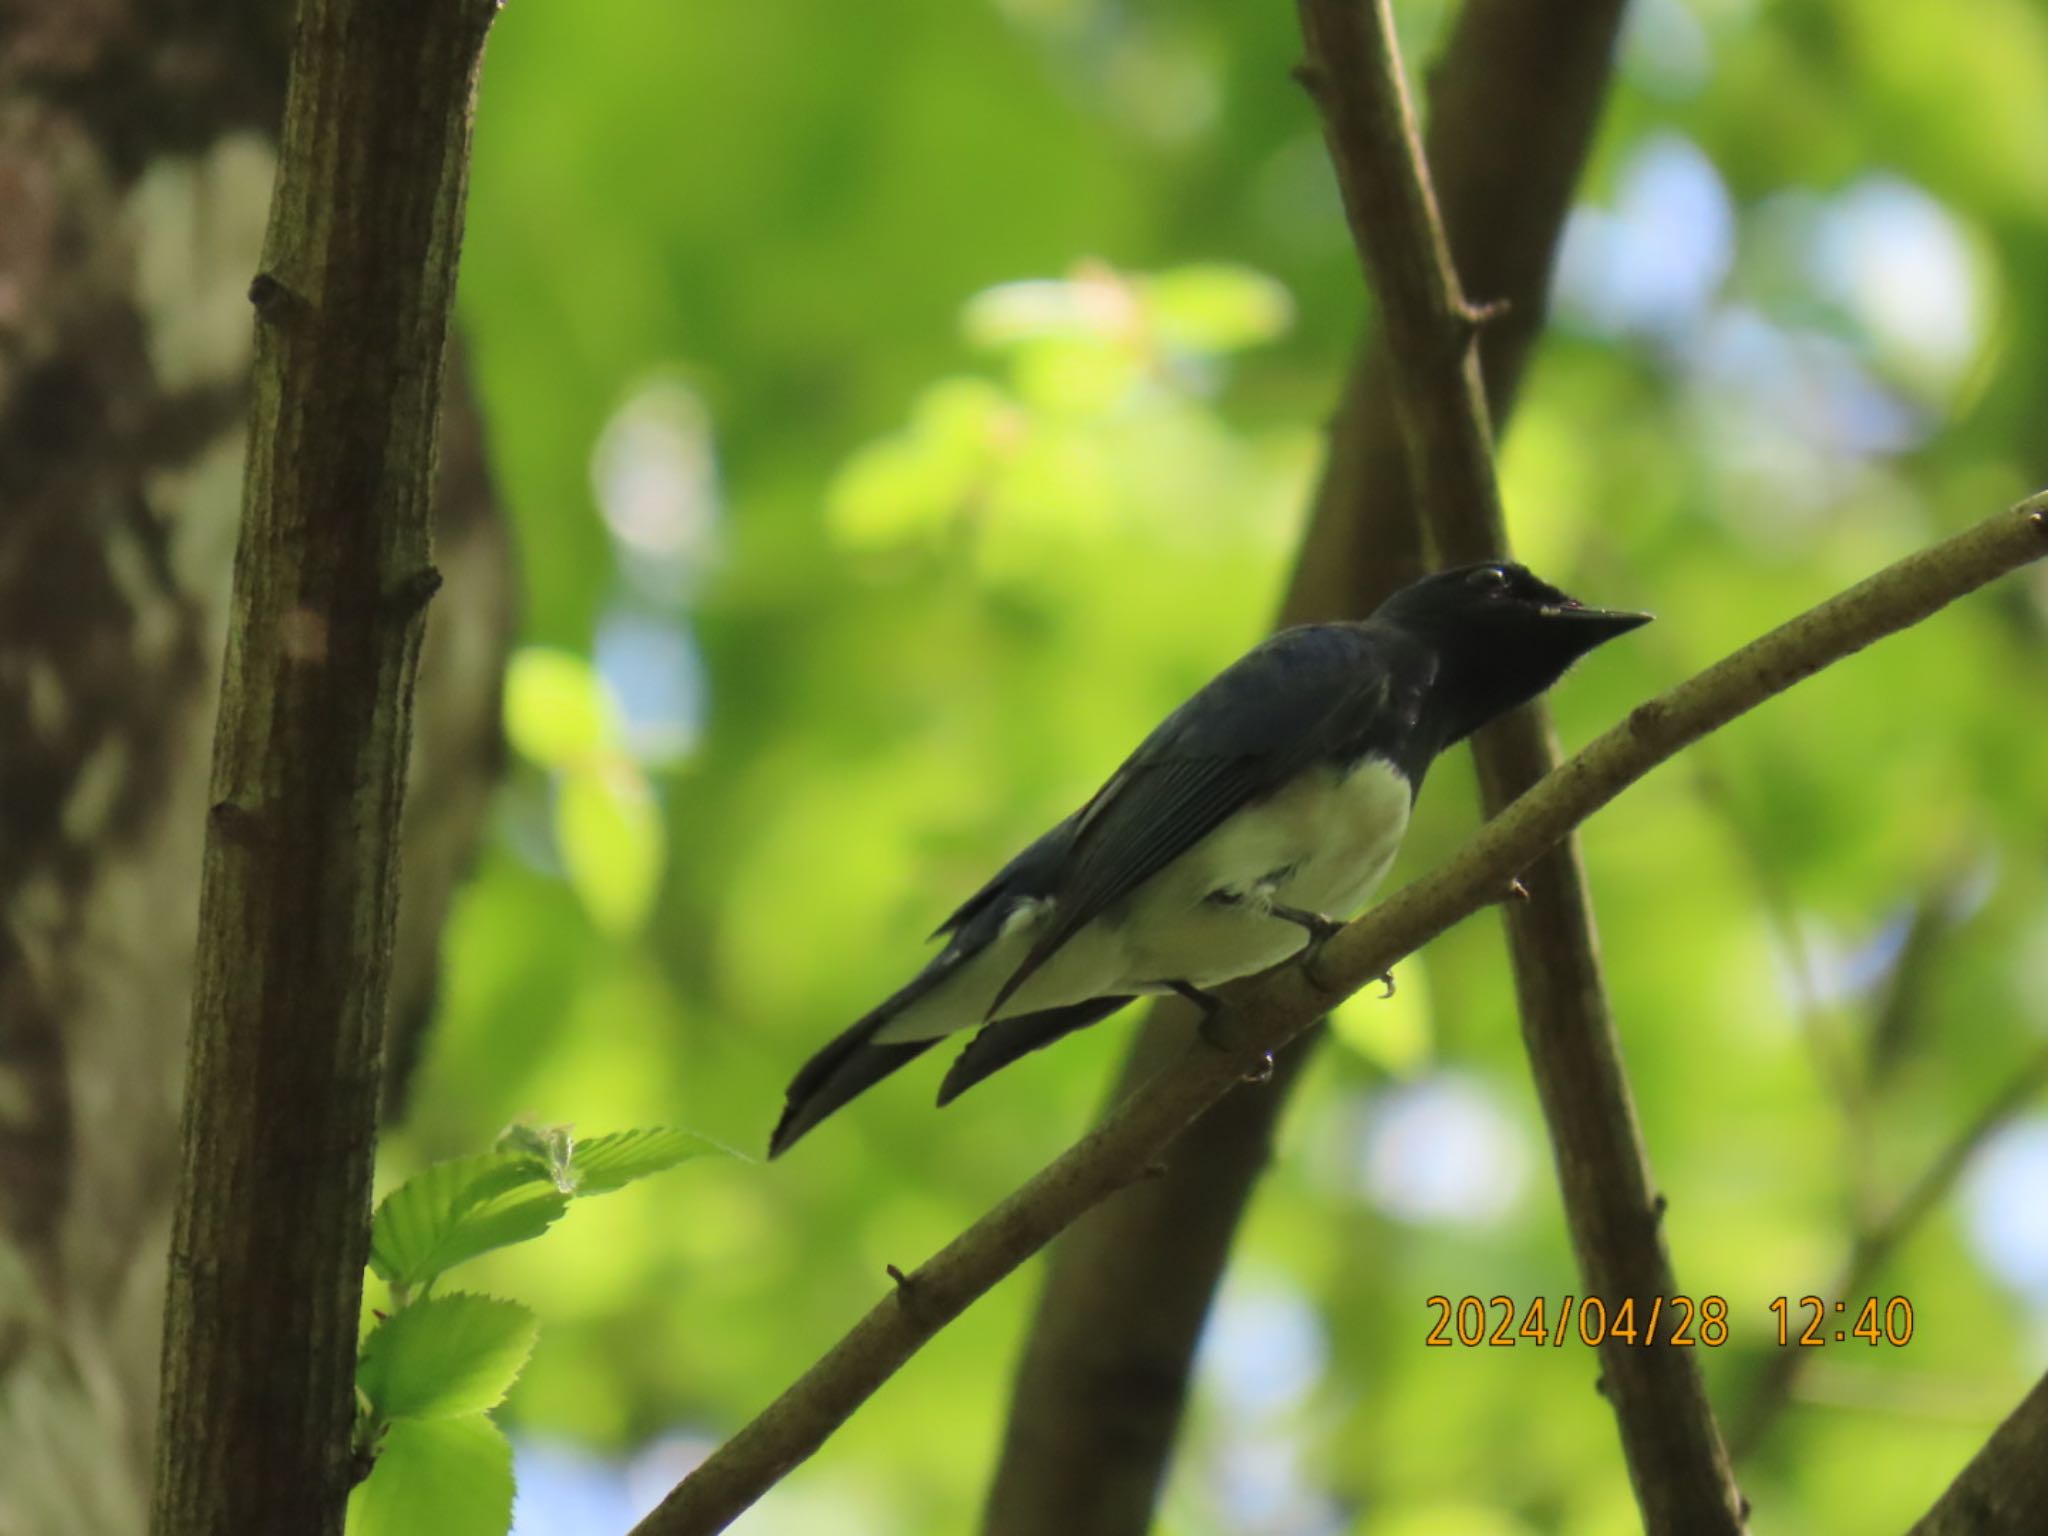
(1504,634)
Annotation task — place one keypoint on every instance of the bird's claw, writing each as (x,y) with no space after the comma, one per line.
(1210,1006)
(1262,1071)
(1320,931)
(1311,958)
(1387,982)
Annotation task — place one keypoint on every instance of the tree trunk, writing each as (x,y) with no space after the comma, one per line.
(136,157)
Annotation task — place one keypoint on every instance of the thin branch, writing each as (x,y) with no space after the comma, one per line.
(1874,1246)
(1269,1011)
(1100,1389)
(1680,1471)
(2004,1489)
(1353,71)
(299,896)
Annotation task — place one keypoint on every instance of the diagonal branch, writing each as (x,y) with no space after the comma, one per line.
(1104,1374)
(1676,1461)
(1271,1010)
(2005,1487)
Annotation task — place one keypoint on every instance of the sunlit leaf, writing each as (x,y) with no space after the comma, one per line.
(605,1163)
(558,711)
(613,845)
(890,492)
(1216,308)
(1097,302)
(458,1209)
(963,419)
(910,485)
(450,1477)
(1080,376)
(445,1355)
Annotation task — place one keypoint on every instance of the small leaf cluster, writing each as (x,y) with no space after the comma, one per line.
(432,1368)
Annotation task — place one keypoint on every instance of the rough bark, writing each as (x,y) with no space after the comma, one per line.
(300,881)
(136,161)
(298,900)
(1104,1376)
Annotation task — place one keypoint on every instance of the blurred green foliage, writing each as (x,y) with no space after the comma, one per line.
(900,407)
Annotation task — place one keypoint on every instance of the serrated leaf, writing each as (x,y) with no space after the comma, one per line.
(558,711)
(445,1356)
(606,1163)
(458,1209)
(450,1477)
(613,846)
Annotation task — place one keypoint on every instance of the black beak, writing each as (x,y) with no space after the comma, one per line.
(1597,625)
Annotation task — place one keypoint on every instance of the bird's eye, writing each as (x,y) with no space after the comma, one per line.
(1489,579)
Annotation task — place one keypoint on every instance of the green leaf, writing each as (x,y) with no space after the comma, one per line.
(1216,308)
(909,487)
(458,1209)
(558,712)
(445,1356)
(606,1163)
(613,847)
(451,1477)
(1094,304)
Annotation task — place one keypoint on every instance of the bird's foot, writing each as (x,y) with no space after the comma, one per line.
(1387,981)
(1212,1010)
(1320,929)
(1211,1007)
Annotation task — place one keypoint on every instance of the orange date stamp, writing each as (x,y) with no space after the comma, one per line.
(1679,1322)
(1870,1321)
(1498,1322)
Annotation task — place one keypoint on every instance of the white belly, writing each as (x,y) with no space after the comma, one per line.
(1333,834)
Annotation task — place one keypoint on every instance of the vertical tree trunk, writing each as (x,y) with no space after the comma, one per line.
(298,900)
(136,161)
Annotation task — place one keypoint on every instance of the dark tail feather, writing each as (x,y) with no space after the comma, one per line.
(852,1074)
(851,1064)
(1000,1043)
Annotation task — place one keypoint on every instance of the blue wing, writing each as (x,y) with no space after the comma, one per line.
(1305,694)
